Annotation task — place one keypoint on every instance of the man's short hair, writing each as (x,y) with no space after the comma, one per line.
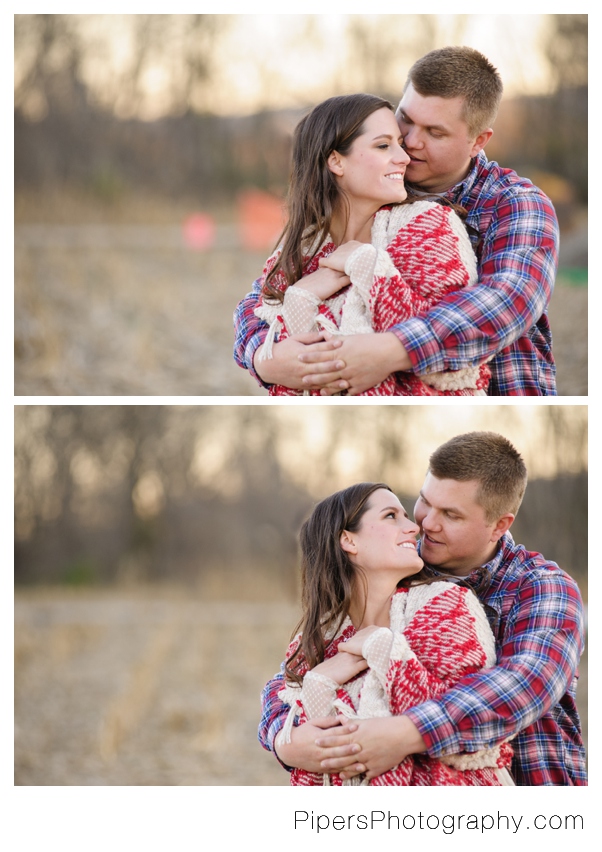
(453,72)
(492,461)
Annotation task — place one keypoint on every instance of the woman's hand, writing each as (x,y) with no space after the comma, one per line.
(355,644)
(342,667)
(324,282)
(338,258)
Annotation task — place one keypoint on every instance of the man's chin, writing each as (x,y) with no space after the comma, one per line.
(430,554)
(415,179)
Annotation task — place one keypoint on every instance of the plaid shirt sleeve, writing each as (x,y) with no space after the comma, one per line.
(273,712)
(249,331)
(538,658)
(517,268)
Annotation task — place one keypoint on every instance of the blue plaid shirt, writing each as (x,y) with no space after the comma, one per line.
(504,315)
(536,614)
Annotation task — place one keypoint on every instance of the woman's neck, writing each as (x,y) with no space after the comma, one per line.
(372,604)
(358,226)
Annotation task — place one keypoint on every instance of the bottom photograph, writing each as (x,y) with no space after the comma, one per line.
(320,595)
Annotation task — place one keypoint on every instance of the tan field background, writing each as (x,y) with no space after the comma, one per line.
(143,688)
(148,688)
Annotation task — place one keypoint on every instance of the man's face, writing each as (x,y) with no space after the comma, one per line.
(456,536)
(437,139)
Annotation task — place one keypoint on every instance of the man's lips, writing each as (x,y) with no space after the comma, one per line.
(429,540)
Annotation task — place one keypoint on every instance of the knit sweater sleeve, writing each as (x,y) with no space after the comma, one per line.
(537,661)
(419,252)
(299,310)
(318,695)
(516,278)
(445,636)
(376,283)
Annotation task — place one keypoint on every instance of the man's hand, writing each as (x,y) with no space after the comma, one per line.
(303,753)
(384,742)
(368,358)
(286,367)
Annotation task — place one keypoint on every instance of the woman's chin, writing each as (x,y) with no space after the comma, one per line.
(399,197)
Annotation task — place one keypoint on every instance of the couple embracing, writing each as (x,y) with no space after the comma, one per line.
(410,265)
(448,661)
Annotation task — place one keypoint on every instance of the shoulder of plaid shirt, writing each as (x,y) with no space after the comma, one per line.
(504,315)
(536,614)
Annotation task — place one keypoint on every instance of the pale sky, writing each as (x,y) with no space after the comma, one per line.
(511,42)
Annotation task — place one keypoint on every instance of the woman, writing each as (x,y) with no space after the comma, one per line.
(377,638)
(346,213)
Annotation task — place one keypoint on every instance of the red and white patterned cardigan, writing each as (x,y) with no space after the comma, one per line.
(439,634)
(418,253)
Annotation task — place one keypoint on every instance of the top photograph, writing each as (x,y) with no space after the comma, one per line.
(301,205)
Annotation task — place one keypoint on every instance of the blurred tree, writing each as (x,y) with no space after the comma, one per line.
(64,63)
(566,50)
(549,133)
(128,493)
(48,61)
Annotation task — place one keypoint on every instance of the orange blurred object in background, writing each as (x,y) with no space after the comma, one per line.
(261,219)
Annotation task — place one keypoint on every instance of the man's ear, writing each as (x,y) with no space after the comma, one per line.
(347,543)
(502,526)
(480,142)
(335,163)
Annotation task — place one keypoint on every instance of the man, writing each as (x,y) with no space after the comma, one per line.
(445,115)
(470,497)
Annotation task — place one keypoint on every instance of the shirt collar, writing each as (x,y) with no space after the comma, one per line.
(464,187)
(480,578)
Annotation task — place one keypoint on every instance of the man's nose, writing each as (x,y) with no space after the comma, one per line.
(412,139)
(430,521)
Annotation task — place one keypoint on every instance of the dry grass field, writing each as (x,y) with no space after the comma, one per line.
(111,307)
(146,688)
(143,689)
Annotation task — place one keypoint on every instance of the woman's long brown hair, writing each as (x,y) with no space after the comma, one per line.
(327,573)
(328,576)
(313,194)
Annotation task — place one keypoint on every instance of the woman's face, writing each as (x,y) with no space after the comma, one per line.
(374,168)
(386,539)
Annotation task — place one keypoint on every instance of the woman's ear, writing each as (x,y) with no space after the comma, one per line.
(347,543)
(335,163)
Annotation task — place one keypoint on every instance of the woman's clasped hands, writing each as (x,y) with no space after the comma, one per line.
(349,661)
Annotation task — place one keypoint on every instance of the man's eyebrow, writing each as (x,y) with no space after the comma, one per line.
(440,127)
(451,509)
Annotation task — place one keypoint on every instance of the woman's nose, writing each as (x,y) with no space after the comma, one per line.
(402,157)
(411,527)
